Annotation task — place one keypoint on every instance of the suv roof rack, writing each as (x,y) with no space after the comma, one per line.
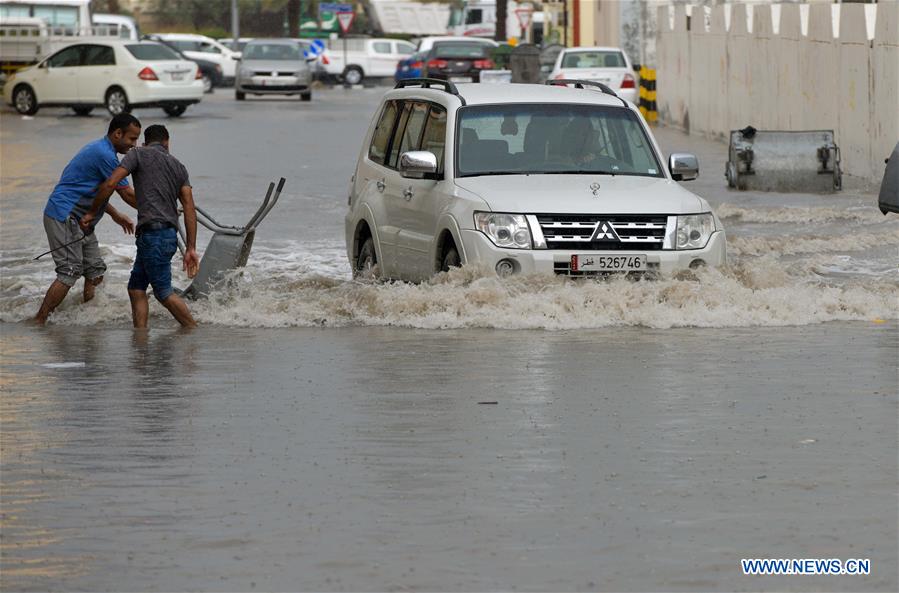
(579,84)
(426,83)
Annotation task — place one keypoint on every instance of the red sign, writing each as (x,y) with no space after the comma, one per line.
(345,19)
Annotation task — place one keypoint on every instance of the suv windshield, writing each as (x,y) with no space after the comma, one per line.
(272,51)
(151,51)
(555,138)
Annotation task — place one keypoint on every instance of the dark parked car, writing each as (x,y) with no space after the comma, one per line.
(212,72)
(457,61)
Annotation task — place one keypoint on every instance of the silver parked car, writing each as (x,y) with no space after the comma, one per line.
(273,67)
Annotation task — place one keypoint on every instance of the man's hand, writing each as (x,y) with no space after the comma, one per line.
(123,221)
(86,221)
(191,262)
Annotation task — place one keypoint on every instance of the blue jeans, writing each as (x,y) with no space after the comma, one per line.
(153,265)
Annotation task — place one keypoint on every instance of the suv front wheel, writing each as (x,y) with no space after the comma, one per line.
(367,267)
(24,100)
(451,259)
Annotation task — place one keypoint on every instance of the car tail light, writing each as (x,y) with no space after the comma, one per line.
(325,60)
(147,74)
(628,82)
(417,65)
(437,64)
(483,64)
(199,75)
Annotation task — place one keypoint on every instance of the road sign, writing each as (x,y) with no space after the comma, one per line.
(524,17)
(345,19)
(333,7)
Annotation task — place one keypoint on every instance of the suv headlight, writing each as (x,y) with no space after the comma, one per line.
(505,230)
(694,231)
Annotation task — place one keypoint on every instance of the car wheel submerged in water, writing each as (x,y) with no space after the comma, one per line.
(25,100)
(367,267)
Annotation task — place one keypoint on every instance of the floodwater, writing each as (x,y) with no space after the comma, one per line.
(469,433)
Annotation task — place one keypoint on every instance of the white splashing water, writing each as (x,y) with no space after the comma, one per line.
(309,284)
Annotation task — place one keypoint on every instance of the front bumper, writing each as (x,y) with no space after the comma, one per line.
(273,85)
(479,249)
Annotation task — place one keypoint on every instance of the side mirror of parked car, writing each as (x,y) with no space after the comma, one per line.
(683,166)
(236,56)
(418,164)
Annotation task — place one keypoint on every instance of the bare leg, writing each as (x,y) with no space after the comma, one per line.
(140,308)
(90,287)
(178,309)
(55,294)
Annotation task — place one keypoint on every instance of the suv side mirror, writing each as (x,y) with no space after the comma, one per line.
(683,166)
(418,164)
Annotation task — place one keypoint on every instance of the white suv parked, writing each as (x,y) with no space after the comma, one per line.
(523,179)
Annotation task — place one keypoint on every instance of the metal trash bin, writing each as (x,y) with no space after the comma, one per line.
(525,64)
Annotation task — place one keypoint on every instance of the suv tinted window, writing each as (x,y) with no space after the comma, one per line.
(412,134)
(67,58)
(99,55)
(381,138)
(405,111)
(434,138)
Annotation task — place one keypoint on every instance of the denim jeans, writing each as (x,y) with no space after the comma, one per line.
(153,265)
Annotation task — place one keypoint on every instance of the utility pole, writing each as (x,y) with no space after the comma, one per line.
(235,23)
(502,10)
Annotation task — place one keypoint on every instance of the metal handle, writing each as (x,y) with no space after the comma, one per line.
(408,193)
(381,185)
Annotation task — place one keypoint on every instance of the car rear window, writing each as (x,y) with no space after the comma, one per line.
(151,51)
(593,59)
(460,50)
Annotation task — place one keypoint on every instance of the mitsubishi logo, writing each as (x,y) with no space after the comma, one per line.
(605,232)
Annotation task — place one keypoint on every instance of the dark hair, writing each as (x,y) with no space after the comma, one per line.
(122,121)
(155,133)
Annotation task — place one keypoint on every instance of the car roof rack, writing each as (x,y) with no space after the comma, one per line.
(426,83)
(579,84)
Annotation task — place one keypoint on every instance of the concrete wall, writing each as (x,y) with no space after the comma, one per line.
(713,78)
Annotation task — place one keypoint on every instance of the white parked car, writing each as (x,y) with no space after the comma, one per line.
(120,75)
(523,179)
(608,65)
(117,25)
(205,48)
(366,57)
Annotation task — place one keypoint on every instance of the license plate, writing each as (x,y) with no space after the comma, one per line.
(460,78)
(177,75)
(608,263)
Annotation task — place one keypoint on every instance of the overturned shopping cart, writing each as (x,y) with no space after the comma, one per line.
(763,160)
(229,247)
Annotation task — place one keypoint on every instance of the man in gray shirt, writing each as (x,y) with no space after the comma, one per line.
(160,182)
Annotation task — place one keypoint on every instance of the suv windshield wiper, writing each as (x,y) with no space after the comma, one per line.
(480,173)
(579,172)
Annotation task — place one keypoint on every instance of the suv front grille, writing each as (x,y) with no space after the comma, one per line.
(591,232)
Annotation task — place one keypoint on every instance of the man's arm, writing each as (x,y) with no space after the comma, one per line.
(126,192)
(102,195)
(191,260)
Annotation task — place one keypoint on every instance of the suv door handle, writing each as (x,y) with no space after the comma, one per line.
(381,185)
(408,193)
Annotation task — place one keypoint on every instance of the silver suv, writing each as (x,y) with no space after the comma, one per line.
(523,179)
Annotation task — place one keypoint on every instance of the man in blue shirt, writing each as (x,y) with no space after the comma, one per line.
(71,199)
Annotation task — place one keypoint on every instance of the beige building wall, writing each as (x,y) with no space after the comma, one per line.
(714,80)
